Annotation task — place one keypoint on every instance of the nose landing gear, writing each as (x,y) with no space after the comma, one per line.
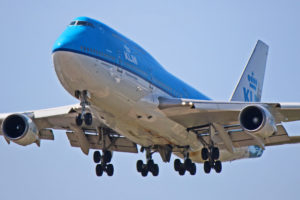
(84,116)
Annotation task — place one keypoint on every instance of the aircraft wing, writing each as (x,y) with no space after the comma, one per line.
(85,137)
(198,115)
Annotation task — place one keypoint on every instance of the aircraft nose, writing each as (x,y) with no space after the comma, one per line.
(63,43)
(68,40)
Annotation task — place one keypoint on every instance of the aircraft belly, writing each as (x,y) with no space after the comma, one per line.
(118,97)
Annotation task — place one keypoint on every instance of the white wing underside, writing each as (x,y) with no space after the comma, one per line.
(198,115)
(194,115)
(85,137)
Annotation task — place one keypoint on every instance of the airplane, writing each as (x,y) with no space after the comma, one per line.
(130,103)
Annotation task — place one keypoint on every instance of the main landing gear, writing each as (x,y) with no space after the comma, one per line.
(103,163)
(84,116)
(149,166)
(211,156)
(187,165)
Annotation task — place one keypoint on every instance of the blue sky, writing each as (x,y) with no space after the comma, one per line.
(205,43)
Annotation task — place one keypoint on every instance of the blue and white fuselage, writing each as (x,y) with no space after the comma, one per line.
(124,83)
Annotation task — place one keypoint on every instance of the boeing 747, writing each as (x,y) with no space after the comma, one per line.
(130,103)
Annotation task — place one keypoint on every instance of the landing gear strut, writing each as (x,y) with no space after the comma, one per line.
(187,165)
(211,156)
(149,166)
(84,116)
(103,163)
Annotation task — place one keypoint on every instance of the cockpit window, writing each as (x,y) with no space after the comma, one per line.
(84,23)
(81,23)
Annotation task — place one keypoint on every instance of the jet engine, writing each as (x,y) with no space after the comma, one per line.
(257,120)
(20,129)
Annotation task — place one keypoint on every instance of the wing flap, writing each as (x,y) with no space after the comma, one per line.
(241,139)
(120,144)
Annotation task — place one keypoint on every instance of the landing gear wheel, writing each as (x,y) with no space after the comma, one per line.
(144,172)
(193,169)
(155,170)
(139,165)
(215,153)
(110,170)
(207,167)
(97,157)
(204,153)
(79,120)
(107,156)
(88,119)
(150,165)
(99,170)
(187,164)
(218,166)
(181,171)
(84,92)
(177,165)
(77,94)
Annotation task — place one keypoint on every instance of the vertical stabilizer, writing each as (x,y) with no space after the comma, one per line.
(249,88)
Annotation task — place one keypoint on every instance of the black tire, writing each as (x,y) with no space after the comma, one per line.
(88,119)
(187,164)
(204,153)
(150,165)
(110,170)
(77,94)
(144,172)
(99,170)
(177,165)
(193,169)
(181,171)
(207,167)
(215,154)
(107,156)
(84,93)
(155,170)
(79,120)
(218,166)
(97,156)
(139,165)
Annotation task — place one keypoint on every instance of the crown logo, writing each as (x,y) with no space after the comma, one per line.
(127,49)
(252,81)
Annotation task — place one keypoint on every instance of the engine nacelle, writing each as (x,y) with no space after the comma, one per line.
(20,129)
(257,120)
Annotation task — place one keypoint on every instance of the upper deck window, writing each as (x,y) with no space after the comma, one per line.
(81,23)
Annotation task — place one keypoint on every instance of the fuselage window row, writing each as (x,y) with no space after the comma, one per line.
(99,53)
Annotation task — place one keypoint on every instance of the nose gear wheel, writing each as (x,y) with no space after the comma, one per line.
(84,116)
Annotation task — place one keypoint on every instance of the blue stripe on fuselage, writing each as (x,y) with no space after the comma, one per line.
(104,43)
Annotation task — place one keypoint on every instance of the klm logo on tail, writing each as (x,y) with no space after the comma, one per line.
(249,88)
(251,93)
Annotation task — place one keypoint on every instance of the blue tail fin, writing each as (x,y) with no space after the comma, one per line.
(249,88)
